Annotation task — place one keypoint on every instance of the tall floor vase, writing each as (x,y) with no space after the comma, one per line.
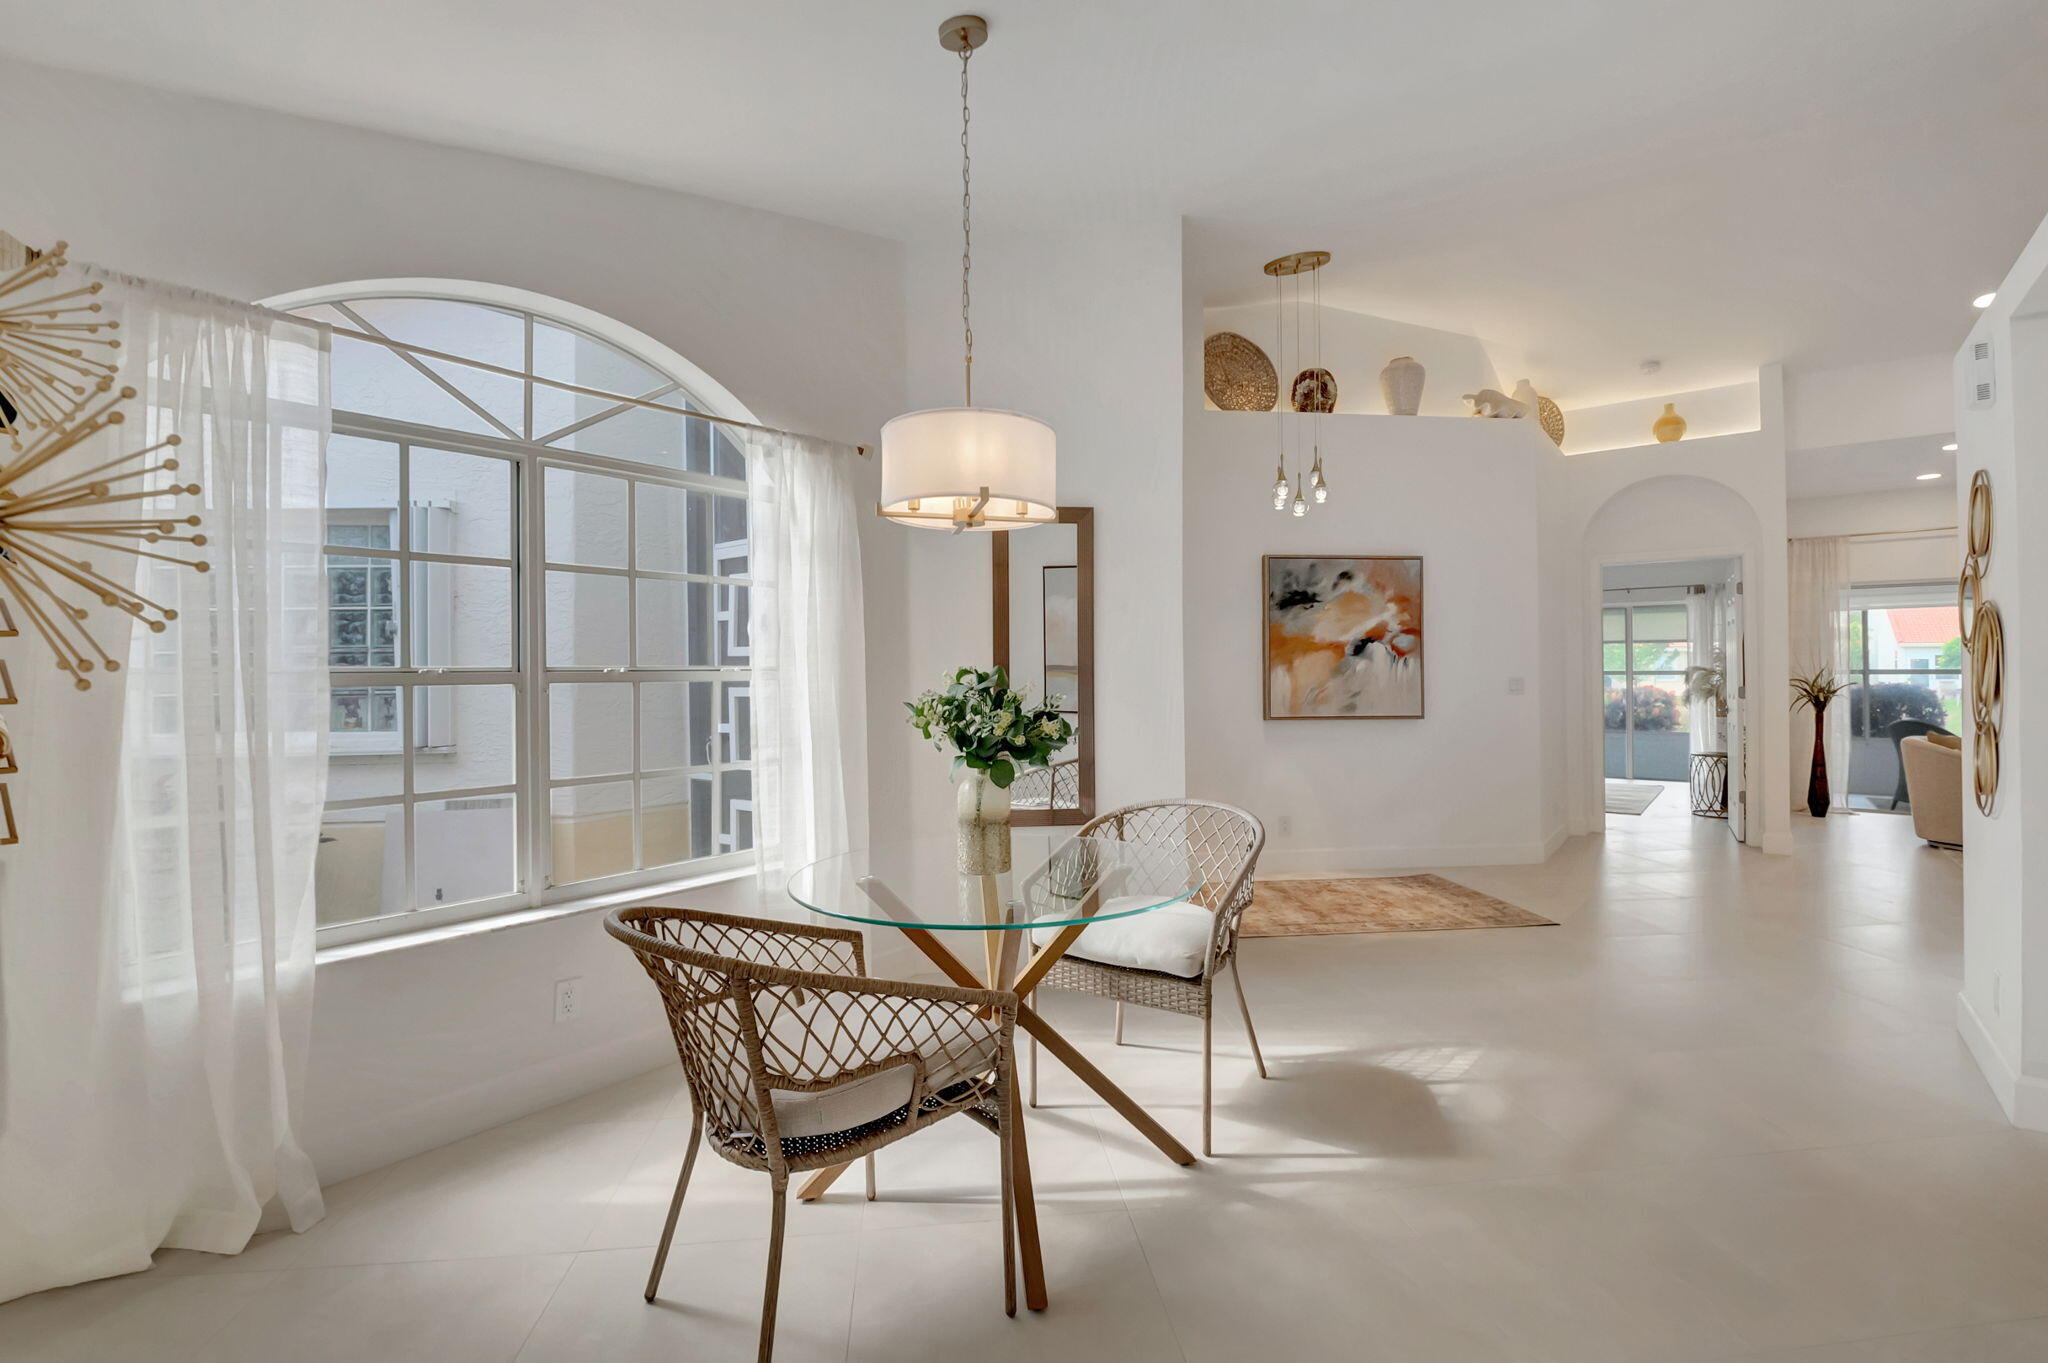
(1817,784)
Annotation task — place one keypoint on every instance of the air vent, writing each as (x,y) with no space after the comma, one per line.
(1983,379)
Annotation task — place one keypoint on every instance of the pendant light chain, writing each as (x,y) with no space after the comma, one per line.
(966,226)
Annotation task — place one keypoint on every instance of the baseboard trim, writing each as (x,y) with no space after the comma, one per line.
(2025,1099)
(1297,860)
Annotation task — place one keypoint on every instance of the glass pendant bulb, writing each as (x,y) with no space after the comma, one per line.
(1280,491)
(1322,493)
(1300,506)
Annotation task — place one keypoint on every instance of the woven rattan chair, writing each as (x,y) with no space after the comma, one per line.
(1224,842)
(796,1061)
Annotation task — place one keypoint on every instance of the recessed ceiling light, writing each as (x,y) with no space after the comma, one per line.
(1949,448)
(1983,300)
(1923,477)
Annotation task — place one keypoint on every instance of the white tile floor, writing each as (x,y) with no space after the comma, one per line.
(1720,1113)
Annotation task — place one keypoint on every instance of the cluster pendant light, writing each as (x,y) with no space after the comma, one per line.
(968,467)
(1312,393)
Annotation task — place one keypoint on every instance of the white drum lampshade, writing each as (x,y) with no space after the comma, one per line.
(968,468)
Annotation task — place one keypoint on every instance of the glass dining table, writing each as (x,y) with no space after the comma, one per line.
(1013,924)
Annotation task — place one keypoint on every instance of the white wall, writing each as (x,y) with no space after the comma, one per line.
(1357,345)
(1717,496)
(1866,402)
(2003,1009)
(804,323)
(1621,425)
(1463,786)
(1082,328)
(1898,539)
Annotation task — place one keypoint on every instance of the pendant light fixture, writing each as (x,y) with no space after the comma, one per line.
(967,467)
(1312,393)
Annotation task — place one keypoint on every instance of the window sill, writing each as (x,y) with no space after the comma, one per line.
(519,918)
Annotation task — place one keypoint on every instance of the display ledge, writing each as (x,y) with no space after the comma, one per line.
(519,918)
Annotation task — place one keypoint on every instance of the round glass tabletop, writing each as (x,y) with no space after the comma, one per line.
(1054,880)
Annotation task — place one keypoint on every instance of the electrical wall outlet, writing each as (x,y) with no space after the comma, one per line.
(1517,686)
(568,999)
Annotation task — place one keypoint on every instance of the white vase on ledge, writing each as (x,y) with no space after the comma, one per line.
(983,808)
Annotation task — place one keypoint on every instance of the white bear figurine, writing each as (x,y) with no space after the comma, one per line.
(1493,402)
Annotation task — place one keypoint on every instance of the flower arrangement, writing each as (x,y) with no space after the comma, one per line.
(990,726)
(1817,691)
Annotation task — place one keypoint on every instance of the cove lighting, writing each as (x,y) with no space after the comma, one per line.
(1923,477)
(1949,448)
(1983,300)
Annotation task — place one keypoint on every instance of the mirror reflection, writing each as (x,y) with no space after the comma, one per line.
(1045,636)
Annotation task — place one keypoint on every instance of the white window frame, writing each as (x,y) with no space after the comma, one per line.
(530,675)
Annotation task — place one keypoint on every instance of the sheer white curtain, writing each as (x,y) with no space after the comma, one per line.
(1819,575)
(1703,619)
(808,649)
(156,920)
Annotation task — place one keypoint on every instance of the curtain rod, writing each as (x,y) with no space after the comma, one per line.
(424,353)
(1887,534)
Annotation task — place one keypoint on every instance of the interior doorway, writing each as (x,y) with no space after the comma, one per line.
(1671,689)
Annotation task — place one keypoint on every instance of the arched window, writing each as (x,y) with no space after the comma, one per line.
(537,609)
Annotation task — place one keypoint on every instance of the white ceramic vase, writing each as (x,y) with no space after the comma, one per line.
(1401,385)
(983,808)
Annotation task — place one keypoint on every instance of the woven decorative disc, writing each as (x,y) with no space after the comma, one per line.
(1236,374)
(1551,417)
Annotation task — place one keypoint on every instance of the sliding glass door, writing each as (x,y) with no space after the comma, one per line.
(1645,650)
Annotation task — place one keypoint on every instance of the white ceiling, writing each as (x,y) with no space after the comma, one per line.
(1873,466)
(1589,183)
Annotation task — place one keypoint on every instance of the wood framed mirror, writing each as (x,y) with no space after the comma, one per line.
(1044,612)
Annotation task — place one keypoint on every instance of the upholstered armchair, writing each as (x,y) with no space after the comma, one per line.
(1933,766)
(1171,958)
(796,1061)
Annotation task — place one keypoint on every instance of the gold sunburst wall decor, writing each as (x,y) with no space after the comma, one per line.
(111,505)
(58,348)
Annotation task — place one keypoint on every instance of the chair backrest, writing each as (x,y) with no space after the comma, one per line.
(710,968)
(1222,840)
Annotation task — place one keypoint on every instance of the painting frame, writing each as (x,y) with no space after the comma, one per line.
(1266,568)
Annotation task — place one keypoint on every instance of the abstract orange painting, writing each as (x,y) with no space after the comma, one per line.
(1343,637)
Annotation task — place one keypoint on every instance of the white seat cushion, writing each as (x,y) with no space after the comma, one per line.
(1173,940)
(864,1100)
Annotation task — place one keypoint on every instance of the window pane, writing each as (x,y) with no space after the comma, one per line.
(362,476)
(1613,656)
(667,739)
(727,461)
(359,867)
(660,624)
(482,333)
(641,434)
(572,357)
(467,737)
(462,504)
(1614,717)
(585,519)
(466,849)
(731,624)
(674,533)
(365,742)
(462,616)
(592,830)
(664,820)
(729,537)
(736,723)
(1662,657)
(373,380)
(1613,624)
(590,728)
(736,811)
(586,620)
